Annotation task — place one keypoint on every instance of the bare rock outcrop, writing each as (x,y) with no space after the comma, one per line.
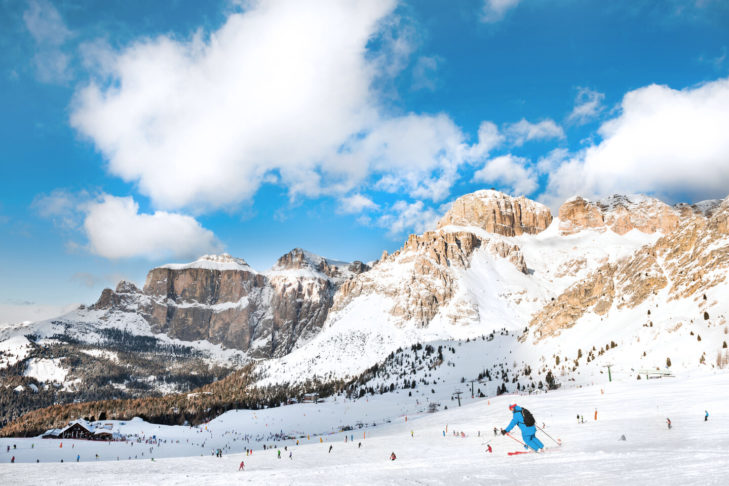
(223,300)
(618,213)
(498,213)
(688,261)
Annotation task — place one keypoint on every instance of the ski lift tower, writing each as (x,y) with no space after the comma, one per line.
(458,394)
(610,376)
(472,394)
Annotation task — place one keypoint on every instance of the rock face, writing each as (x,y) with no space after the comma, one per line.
(498,213)
(618,213)
(223,300)
(422,278)
(687,262)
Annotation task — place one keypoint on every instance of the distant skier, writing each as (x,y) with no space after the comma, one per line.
(496,431)
(12,460)
(330,448)
(359,446)
(706,416)
(242,466)
(393,456)
(279,452)
(668,422)
(525,421)
(489,449)
(78,457)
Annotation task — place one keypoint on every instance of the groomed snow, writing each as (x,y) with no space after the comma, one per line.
(692,452)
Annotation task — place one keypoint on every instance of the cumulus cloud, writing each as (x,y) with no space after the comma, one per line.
(510,171)
(524,131)
(666,142)
(403,216)
(116,229)
(284,91)
(50,33)
(278,88)
(588,105)
(356,203)
(495,10)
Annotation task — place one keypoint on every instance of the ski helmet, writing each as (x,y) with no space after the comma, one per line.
(512,406)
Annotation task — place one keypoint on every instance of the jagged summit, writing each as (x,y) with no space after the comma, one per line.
(220,262)
(498,213)
(619,213)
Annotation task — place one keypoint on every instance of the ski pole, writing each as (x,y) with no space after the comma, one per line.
(514,438)
(558,443)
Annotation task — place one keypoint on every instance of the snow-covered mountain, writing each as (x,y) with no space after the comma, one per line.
(627,272)
(190,324)
(627,281)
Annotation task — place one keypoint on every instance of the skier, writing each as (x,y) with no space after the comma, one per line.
(12,460)
(489,448)
(78,457)
(668,421)
(279,452)
(528,431)
(393,456)
(706,417)
(330,448)
(496,431)
(242,466)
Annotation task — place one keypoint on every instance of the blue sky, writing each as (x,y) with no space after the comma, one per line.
(136,133)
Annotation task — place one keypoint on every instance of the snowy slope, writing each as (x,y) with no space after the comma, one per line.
(692,452)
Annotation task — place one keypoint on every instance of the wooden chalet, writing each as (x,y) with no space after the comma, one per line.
(80,429)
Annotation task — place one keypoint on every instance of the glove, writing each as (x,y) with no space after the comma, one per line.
(503,432)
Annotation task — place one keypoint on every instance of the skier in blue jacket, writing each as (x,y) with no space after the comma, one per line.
(528,433)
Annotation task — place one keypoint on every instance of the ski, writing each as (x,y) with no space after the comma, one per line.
(531,451)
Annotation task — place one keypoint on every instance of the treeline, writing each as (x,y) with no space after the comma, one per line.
(195,407)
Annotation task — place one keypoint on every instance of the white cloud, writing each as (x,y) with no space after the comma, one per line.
(511,171)
(50,33)
(285,90)
(424,73)
(61,207)
(116,229)
(524,131)
(495,10)
(489,138)
(356,203)
(666,142)
(588,105)
(279,87)
(419,154)
(404,216)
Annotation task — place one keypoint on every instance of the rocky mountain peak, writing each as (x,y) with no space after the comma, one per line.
(498,213)
(299,260)
(222,262)
(125,287)
(619,213)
